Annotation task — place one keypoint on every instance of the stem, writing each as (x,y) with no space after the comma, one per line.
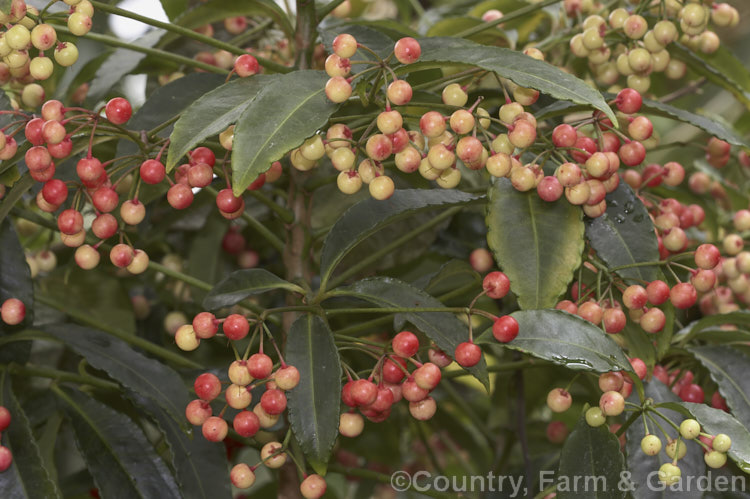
(161,54)
(397,310)
(285,215)
(188,33)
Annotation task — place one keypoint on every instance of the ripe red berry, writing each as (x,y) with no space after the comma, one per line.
(38,158)
(179,196)
(613,320)
(197,412)
(505,329)
(658,292)
(215,429)
(246,65)
(707,256)
(4,418)
(70,221)
(273,402)
(467,354)
(405,344)
(629,101)
(105,199)
(564,136)
(205,325)
(104,226)
(33,131)
(632,153)
(412,392)
(639,367)
(496,285)
(152,171)
(227,201)
(392,373)
(55,191)
(363,392)
(118,110)
(246,424)
(121,255)
(683,295)
(202,155)
(427,376)
(346,394)
(383,401)
(89,169)
(691,392)
(6,458)
(259,365)
(207,386)
(236,327)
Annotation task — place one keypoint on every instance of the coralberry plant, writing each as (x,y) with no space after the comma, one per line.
(328,242)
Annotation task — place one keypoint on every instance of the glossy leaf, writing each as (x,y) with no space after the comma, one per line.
(593,453)
(565,339)
(217,10)
(120,62)
(625,235)
(645,484)
(139,374)
(370,216)
(173,8)
(213,113)
(271,126)
(515,66)
(15,282)
(27,478)
(117,453)
(97,297)
(441,327)
(314,402)
(715,421)
(167,102)
(741,317)
(536,243)
(729,368)
(243,283)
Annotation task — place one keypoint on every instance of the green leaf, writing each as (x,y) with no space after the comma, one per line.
(205,262)
(212,113)
(314,402)
(441,327)
(687,333)
(167,102)
(639,343)
(119,457)
(450,275)
(27,477)
(565,339)
(594,454)
(216,10)
(721,68)
(120,62)
(515,66)
(645,484)
(715,421)
(370,216)
(15,282)
(625,235)
(15,194)
(140,375)
(536,243)
(98,297)
(243,283)
(174,8)
(729,368)
(272,126)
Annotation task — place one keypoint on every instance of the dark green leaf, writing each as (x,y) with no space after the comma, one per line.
(243,283)
(715,421)
(536,243)
(98,297)
(212,113)
(565,339)
(174,8)
(721,68)
(15,194)
(734,318)
(166,103)
(27,477)
(271,126)
(729,369)
(594,454)
(625,235)
(370,216)
(15,282)
(140,375)
(314,402)
(644,482)
(451,275)
(216,10)
(441,327)
(515,66)
(205,262)
(120,62)
(639,343)
(119,457)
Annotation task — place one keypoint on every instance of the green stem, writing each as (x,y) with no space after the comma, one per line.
(63,376)
(510,17)
(284,214)
(373,257)
(123,335)
(632,419)
(161,54)
(188,33)
(396,310)
(328,8)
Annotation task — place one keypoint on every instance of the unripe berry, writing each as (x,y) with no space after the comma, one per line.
(612,403)
(197,412)
(246,65)
(721,442)
(237,396)
(653,321)
(595,417)
(242,476)
(424,409)
(313,487)
(559,400)
(690,429)
(407,50)
(715,459)
(338,89)
(381,188)
(651,445)
(237,372)
(344,45)
(186,339)
(669,474)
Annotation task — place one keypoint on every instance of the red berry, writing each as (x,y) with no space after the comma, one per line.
(105,199)
(392,373)
(588,147)
(363,392)
(691,392)
(246,65)
(468,354)
(215,429)
(202,155)
(197,412)
(152,171)
(683,295)
(6,458)
(639,367)
(33,131)
(405,344)
(259,365)
(55,191)
(205,325)
(227,201)
(12,312)
(717,402)
(505,329)
(383,401)
(246,424)
(613,320)
(118,110)
(427,376)
(707,256)
(346,394)
(4,418)
(658,292)
(496,285)
(179,196)
(207,386)
(273,402)
(629,101)
(407,50)
(632,153)
(104,226)
(236,327)
(70,222)
(564,136)
(89,169)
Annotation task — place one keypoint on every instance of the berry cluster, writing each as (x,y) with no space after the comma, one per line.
(626,45)
(6,457)
(25,39)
